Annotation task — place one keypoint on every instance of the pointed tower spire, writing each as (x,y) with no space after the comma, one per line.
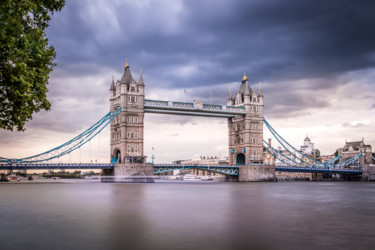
(244,78)
(113,84)
(127,77)
(230,94)
(260,90)
(247,88)
(140,82)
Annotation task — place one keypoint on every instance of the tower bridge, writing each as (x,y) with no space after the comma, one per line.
(246,148)
(244,113)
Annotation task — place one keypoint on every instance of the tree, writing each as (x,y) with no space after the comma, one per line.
(26,59)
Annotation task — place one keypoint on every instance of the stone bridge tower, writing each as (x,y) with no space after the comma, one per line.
(245,132)
(127,127)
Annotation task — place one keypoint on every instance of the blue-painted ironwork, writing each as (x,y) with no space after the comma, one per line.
(333,167)
(68,146)
(280,139)
(303,163)
(163,168)
(291,168)
(223,169)
(33,166)
(348,161)
(277,152)
(333,160)
(188,108)
(373,157)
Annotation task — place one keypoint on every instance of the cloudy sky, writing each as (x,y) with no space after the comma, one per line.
(315,60)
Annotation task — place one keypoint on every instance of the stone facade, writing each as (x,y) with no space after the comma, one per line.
(245,133)
(256,173)
(129,172)
(354,148)
(127,127)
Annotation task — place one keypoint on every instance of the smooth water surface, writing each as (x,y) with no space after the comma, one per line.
(300,215)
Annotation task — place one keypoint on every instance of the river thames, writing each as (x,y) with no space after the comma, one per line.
(284,215)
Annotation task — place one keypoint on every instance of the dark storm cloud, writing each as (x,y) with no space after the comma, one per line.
(268,39)
(202,46)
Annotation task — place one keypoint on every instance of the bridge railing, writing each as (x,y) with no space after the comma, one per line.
(191,106)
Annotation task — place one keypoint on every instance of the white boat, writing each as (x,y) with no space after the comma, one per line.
(190,177)
(13,178)
(206,178)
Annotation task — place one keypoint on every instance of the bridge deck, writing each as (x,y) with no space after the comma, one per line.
(187,108)
(56,166)
(319,170)
(162,168)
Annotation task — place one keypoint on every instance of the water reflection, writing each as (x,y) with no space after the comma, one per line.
(187,216)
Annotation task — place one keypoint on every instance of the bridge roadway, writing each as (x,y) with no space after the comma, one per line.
(163,168)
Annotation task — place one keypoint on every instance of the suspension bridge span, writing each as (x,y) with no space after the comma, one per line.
(246,148)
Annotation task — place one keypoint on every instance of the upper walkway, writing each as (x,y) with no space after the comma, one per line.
(192,109)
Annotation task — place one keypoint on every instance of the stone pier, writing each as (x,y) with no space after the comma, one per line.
(129,173)
(254,173)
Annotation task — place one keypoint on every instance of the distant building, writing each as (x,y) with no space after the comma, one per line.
(205,160)
(324,158)
(308,149)
(268,158)
(293,158)
(354,148)
(366,162)
(285,158)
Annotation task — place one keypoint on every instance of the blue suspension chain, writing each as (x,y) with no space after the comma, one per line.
(84,137)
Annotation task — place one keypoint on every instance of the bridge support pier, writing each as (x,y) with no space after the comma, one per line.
(129,173)
(256,173)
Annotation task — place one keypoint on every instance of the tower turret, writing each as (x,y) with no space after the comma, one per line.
(246,132)
(127,77)
(230,99)
(112,89)
(127,127)
(140,82)
(247,93)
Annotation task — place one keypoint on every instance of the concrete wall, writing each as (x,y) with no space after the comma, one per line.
(371,172)
(129,172)
(257,173)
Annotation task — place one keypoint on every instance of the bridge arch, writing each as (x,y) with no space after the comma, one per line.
(240,159)
(116,156)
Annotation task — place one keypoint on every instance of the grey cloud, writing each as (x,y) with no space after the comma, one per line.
(275,42)
(268,39)
(353,125)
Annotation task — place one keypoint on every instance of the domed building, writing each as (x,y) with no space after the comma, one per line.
(308,147)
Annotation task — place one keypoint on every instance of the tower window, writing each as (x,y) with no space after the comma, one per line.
(132,89)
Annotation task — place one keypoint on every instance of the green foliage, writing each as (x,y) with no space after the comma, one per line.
(26,59)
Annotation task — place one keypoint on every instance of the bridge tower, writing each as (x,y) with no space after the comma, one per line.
(245,132)
(127,127)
